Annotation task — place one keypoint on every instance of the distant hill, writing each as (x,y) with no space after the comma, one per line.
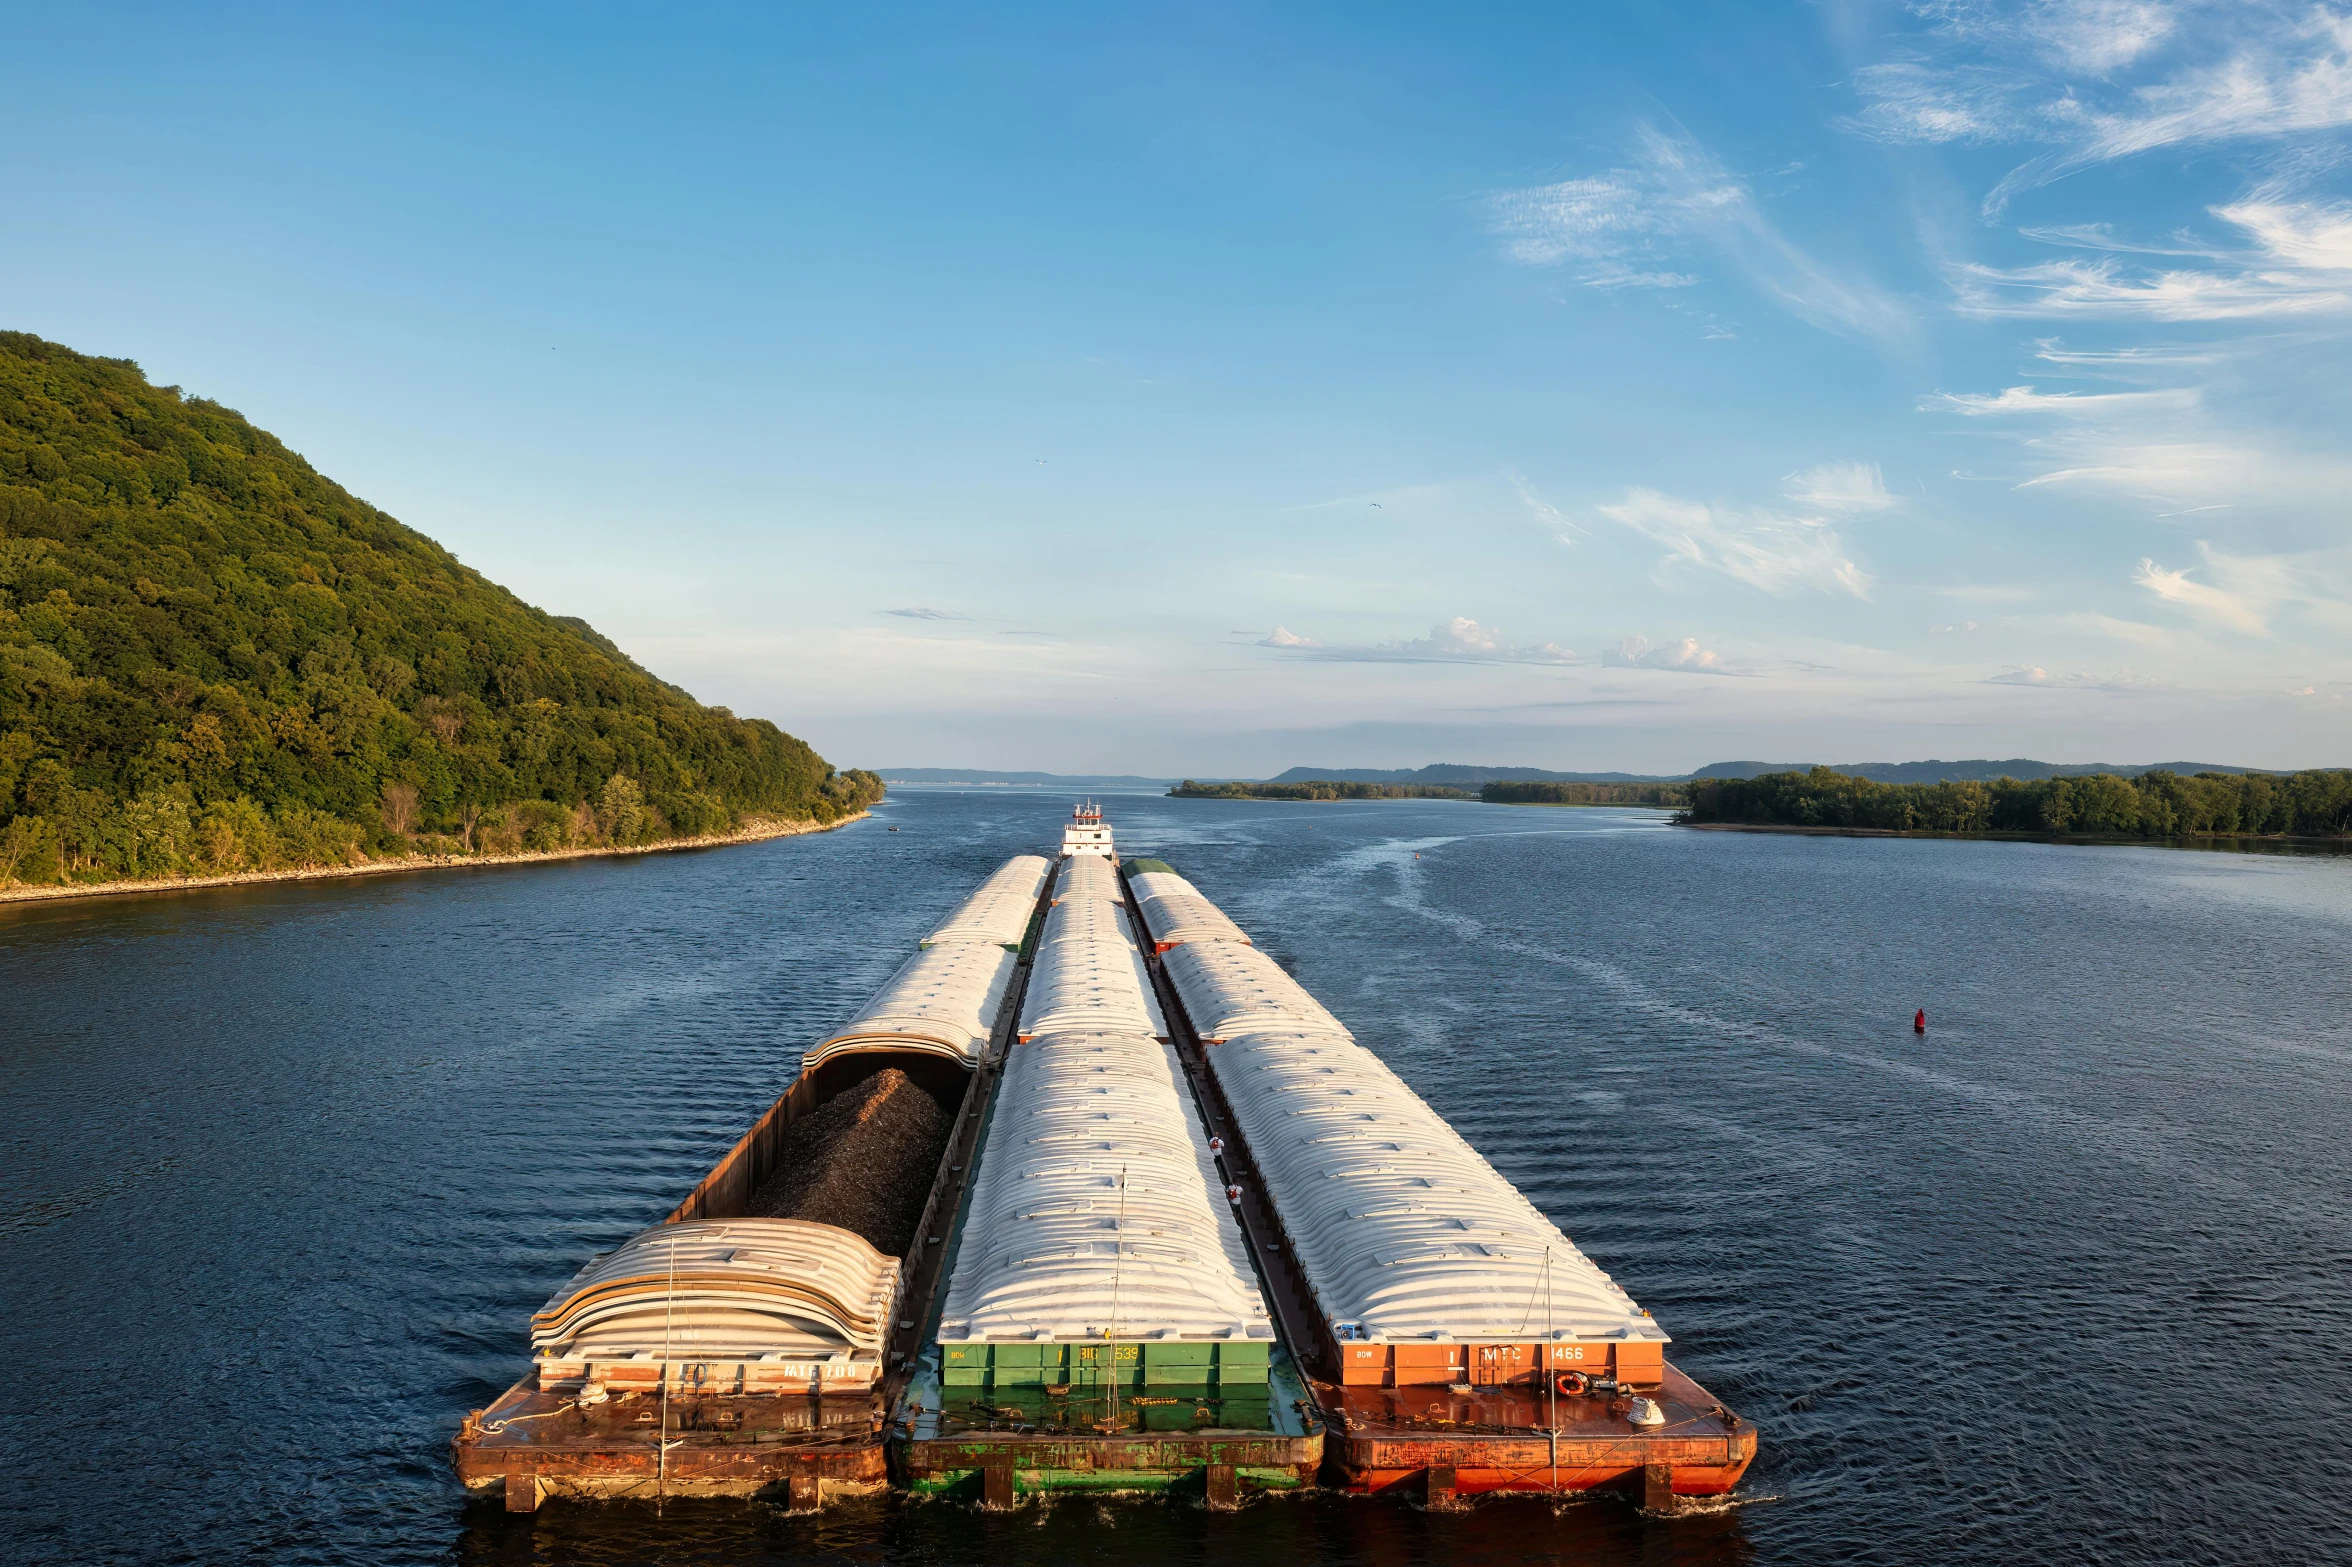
(1456,775)
(214,659)
(1460,776)
(2024,769)
(966,775)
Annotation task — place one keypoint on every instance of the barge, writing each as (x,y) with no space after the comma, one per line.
(1177,1231)
(732,1350)
(1455,1341)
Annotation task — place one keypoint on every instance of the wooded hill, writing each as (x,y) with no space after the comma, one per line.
(214,659)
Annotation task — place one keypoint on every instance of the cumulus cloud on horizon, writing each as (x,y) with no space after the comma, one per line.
(1683,657)
(1459,640)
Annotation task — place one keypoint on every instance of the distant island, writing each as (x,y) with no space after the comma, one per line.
(2157,803)
(217,663)
(2062,802)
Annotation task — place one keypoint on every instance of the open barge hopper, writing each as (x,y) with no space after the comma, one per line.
(728,1352)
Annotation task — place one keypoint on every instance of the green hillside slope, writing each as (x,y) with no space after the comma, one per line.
(213,659)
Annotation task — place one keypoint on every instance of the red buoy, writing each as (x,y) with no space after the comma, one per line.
(1919,1021)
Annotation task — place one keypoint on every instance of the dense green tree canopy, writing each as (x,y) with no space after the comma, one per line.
(2153,805)
(212,659)
(1536,792)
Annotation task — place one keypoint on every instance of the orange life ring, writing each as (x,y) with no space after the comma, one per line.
(1573,1383)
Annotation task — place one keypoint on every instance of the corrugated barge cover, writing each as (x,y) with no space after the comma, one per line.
(998,913)
(1040,1245)
(1087,876)
(1093,986)
(1174,918)
(1229,990)
(1087,919)
(942,1001)
(1157,884)
(751,1290)
(1402,1230)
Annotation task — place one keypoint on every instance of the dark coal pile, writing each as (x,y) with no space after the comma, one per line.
(864,1161)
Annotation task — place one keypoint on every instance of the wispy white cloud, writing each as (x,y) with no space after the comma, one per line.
(2099,36)
(2025,400)
(1553,519)
(2109,290)
(2158,470)
(2116,629)
(2058,73)
(1841,486)
(1631,227)
(2133,358)
(918,612)
(2245,590)
(2315,236)
(1914,101)
(1781,552)
(2158,445)
(1683,657)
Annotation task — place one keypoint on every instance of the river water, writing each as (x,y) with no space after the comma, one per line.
(283,1172)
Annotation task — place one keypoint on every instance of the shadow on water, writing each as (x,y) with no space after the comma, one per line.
(1296,1531)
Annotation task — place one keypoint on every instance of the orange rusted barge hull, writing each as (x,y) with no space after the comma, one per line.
(1436,1443)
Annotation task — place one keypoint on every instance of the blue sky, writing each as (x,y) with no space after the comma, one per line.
(1215,389)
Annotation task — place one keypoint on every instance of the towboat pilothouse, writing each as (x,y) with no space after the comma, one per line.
(1087,833)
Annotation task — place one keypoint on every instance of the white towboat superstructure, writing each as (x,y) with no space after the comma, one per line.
(1087,833)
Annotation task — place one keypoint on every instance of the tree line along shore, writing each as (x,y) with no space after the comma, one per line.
(2158,804)
(216,662)
(2311,804)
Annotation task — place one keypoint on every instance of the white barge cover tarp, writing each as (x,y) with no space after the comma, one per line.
(1087,876)
(1042,1250)
(1090,985)
(1089,920)
(1175,918)
(1402,1230)
(998,913)
(1229,990)
(1158,884)
(782,1302)
(943,1001)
